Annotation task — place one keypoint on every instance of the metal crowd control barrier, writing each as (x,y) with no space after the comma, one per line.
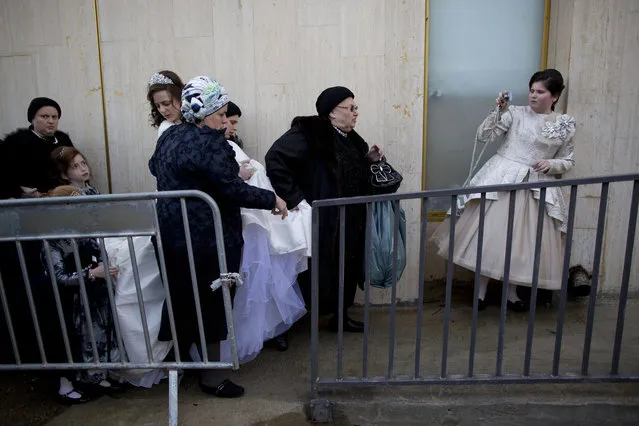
(100,217)
(320,409)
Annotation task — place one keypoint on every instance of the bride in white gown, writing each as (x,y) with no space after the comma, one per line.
(275,252)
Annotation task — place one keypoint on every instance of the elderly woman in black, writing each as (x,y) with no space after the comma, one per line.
(195,155)
(323,157)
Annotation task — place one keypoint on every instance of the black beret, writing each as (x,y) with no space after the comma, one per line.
(38,103)
(330,98)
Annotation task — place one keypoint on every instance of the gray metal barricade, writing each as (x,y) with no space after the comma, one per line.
(100,217)
(320,409)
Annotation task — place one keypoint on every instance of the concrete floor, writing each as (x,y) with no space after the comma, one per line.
(278,384)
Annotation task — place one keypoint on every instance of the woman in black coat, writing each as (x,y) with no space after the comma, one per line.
(323,157)
(195,155)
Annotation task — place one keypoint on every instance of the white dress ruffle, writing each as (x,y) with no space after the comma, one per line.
(126,302)
(275,252)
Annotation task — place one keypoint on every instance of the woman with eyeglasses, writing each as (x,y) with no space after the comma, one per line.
(322,157)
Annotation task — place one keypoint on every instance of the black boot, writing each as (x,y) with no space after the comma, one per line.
(281,342)
(350,325)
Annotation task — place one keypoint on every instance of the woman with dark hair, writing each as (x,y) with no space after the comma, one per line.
(195,155)
(164,93)
(536,145)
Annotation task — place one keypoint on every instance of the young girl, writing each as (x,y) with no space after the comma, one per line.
(79,389)
(73,169)
(164,93)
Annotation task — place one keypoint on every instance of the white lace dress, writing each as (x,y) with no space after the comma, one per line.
(126,301)
(527,137)
(275,251)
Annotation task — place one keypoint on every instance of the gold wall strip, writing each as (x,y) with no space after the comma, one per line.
(545,36)
(104,118)
(425,94)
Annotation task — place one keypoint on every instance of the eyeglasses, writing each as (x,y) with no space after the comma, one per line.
(353,108)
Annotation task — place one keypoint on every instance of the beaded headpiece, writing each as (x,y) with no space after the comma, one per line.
(160,79)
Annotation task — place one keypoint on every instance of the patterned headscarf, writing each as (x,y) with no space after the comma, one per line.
(202,96)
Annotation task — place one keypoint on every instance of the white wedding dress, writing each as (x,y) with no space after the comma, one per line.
(126,302)
(275,252)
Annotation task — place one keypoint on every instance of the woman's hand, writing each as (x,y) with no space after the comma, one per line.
(99,271)
(541,166)
(246,172)
(501,100)
(30,192)
(375,154)
(280,207)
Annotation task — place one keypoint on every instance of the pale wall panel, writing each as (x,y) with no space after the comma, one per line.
(275,119)
(365,35)
(319,12)
(192,18)
(15,97)
(276,42)
(234,62)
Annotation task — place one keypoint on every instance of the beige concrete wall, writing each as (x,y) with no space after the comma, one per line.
(274,57)
(49,48)
(595,44)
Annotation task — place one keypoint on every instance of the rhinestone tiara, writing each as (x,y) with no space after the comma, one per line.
(160,79)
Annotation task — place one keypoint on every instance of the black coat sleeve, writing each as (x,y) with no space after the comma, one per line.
(218,167)
(9,155)
(284,162)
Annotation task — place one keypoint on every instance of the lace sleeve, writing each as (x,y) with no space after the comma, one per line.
(564,129)
(495,126)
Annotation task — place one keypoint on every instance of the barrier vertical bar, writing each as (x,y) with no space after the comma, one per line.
(592,299)
(85,298)
(340,307)
(422,276)
(173,397)
(625,280)
(449,283)
(58,303)
(504,291)
(564,280)
(32,308)
(535,280)
(7,315)
(114,311)
(314,302)
(138,291)
(480,246)
(165,283)
(391,346)
(194,283)
(367,285)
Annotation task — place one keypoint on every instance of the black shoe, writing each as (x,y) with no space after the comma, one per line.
(481,305)
(517,306)
(350,325)
(226,389)
(281,342)
(69,400)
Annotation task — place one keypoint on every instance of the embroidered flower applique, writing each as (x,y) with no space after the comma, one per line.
(560,129)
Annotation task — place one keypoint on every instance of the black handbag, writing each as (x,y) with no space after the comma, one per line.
(384,179)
